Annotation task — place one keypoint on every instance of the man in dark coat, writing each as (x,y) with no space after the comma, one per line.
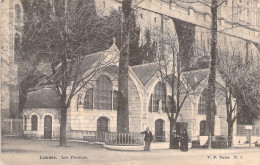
(148,137)
(175,140)
(184,141)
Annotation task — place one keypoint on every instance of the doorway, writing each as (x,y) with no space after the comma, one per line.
(159,130)
(47,127)
(102,124)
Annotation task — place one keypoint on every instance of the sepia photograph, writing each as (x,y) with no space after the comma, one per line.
(130,82)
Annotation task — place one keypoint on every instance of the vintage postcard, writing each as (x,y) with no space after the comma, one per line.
(130,82)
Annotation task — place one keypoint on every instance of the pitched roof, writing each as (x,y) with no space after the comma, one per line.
(195,77)
(146,71)
(42,98)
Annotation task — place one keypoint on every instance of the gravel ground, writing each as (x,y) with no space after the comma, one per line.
(19,151)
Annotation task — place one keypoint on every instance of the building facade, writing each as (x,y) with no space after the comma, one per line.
(94,108)
(11,17)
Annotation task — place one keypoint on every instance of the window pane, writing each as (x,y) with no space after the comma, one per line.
(103,97)
(150,103)
(25,123)
(202,103)
(88,101)
(34,123)
(17,47)
(158,97)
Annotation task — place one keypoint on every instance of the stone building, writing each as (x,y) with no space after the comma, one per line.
(11,18)
(94,108)
(240,31)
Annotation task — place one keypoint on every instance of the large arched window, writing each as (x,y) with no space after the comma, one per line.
(103,99)
(17,12)
(34,123)
(17,46)
(158,97)
(202,102)
(115,100)
(88,101)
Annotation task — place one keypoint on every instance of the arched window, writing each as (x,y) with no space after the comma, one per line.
(115,100)
(25,123)
(17,12)
(103,99)
(17,46)
(34,123)
(88,101)
(202,102)
(158,97)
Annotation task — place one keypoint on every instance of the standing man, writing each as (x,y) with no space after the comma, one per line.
(148,139)
(184,140)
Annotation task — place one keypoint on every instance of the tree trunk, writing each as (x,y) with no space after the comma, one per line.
(230,134)
(173,141)
(63,122)
(210,103)
(122,112)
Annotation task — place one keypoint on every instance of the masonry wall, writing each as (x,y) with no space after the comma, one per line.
(135,108)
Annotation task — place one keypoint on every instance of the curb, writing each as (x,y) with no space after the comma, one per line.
(124,148)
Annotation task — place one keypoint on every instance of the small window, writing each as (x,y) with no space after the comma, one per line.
(17,46)
(154,19)
(34,123)
(104,4)
(17,12)
(141,15)
(151,103)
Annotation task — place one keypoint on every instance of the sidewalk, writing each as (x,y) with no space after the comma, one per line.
(23,152)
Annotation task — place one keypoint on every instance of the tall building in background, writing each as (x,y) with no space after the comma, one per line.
(11,17)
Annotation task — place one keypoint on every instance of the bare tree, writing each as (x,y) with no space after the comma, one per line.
(62,34)
(171,74)
(241,81)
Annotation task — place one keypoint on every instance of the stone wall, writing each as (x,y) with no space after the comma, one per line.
(135,108)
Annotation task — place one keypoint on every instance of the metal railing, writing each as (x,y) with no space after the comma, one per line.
(12,126)
(124,139)
(87,135)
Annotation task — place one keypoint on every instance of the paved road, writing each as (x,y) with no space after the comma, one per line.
(17,151)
